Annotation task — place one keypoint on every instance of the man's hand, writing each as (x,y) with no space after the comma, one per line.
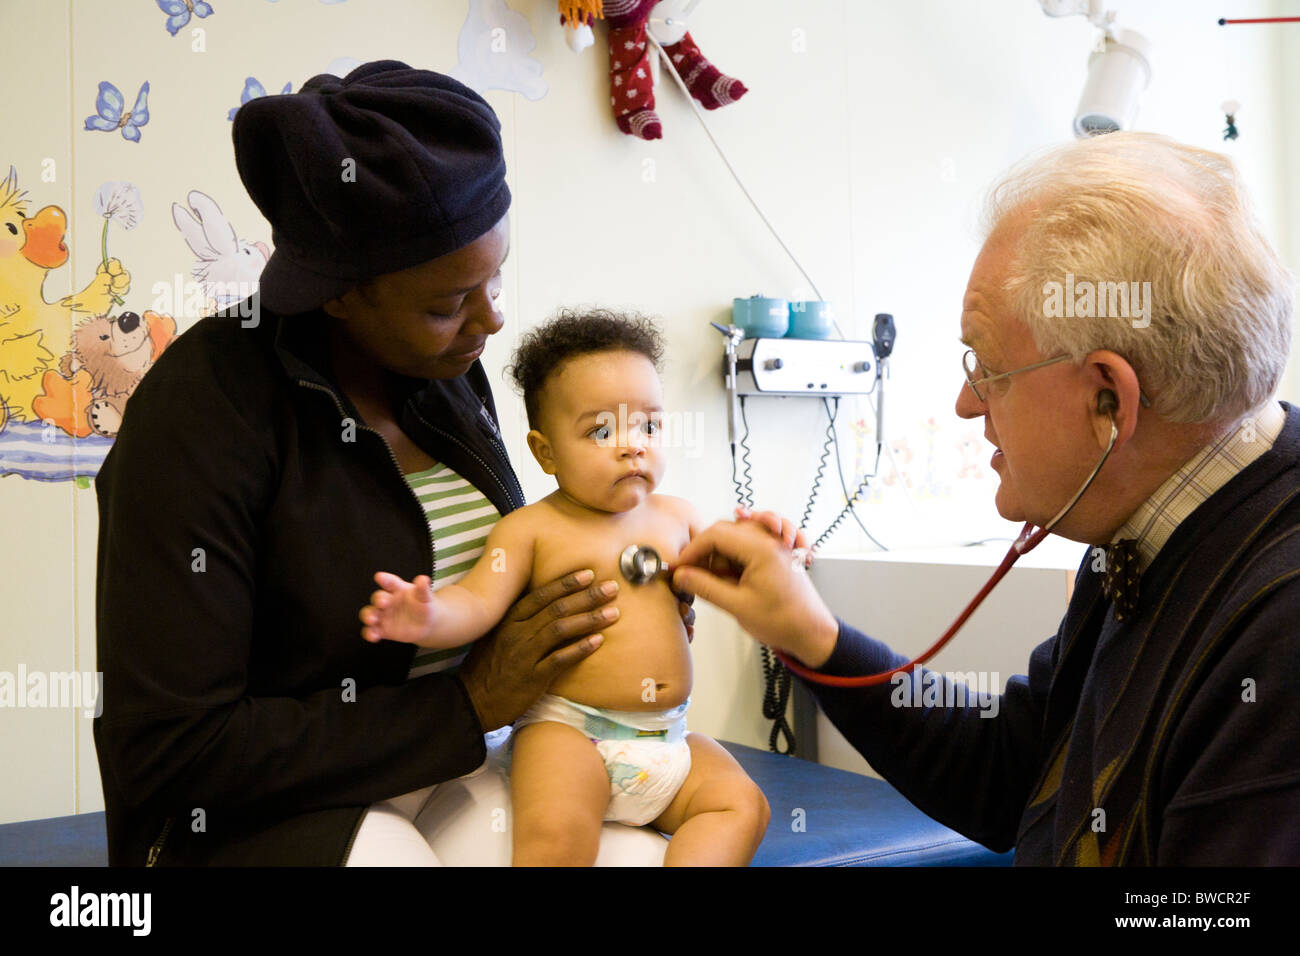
(545,633)
(783,528)
(770,595)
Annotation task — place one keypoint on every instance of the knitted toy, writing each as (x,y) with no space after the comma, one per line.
(631,83)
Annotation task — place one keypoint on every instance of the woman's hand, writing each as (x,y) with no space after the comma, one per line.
(537,640)
(684,608)
(771,597)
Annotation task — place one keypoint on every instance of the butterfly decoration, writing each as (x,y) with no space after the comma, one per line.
(252,90)
(110,104)
(178,12)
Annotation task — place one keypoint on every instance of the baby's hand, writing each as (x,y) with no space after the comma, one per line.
(402,611)
(783,528)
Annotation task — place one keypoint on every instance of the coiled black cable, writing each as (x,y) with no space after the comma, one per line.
(821,465)
(777,681)
(849,500)
(744,494)
(740,492)
(848,509)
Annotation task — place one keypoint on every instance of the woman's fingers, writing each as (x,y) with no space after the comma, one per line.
(561,659)
(585,600)
(537,640)
(534,602)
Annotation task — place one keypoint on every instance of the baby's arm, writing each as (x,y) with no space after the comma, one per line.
(411,612)
(686,512)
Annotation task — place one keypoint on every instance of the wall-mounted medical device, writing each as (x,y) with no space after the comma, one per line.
(796,368)
(806,367)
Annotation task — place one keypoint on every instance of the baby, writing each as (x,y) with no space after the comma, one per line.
(608,741)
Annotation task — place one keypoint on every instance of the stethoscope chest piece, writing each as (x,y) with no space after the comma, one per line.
(640,563)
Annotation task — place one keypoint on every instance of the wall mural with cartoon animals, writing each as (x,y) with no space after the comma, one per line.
(68,368)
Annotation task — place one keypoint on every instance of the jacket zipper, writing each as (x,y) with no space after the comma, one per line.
(428,534)
(156,849)
(424,521)
(506,458)
(505,491)
(347,850)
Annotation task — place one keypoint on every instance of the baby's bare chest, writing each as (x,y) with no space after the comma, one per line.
(564,545)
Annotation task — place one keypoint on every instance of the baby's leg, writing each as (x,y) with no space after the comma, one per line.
(559,790)
(719,816)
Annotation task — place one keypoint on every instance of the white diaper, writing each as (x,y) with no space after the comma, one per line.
(645,752)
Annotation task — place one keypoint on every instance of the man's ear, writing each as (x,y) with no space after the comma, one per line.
(1110,375)
(540,446)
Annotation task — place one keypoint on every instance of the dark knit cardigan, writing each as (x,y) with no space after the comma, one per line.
(1172,738)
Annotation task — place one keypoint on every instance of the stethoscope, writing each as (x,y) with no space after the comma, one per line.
(641,564)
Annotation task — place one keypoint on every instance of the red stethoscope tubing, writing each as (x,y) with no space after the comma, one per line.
(1027,541)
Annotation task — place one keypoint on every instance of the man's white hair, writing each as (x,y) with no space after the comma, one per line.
(1139,207)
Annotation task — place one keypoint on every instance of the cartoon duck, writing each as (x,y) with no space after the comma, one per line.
(34,334)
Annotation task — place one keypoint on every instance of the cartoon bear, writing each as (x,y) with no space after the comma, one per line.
(109,357)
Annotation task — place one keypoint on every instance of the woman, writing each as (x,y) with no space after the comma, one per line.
(266,470)
(258,482)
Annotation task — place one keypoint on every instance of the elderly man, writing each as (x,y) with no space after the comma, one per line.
(1161,723)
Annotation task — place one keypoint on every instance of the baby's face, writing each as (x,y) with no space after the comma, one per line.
(601,414)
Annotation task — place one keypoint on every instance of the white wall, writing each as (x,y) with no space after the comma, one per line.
(869,135)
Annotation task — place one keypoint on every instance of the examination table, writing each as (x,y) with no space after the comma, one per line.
(820,817)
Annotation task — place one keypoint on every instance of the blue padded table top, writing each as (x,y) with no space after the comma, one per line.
(847,820)
(78,840)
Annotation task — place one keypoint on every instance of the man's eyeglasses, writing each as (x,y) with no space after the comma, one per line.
(977,376)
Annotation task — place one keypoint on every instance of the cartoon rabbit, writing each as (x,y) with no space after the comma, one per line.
(227,267)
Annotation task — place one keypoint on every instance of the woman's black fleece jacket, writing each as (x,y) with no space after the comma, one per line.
(242,513)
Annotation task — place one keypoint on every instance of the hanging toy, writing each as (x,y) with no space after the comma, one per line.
(631,82)
(1230,110)
(578,16)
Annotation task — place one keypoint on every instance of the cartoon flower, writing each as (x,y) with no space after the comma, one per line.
(119,203)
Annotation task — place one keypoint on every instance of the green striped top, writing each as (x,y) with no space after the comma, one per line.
(460,517)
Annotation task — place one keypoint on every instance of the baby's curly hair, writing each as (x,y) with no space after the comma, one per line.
(570,333)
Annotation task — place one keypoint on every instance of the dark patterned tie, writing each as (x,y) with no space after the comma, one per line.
(1120,582)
